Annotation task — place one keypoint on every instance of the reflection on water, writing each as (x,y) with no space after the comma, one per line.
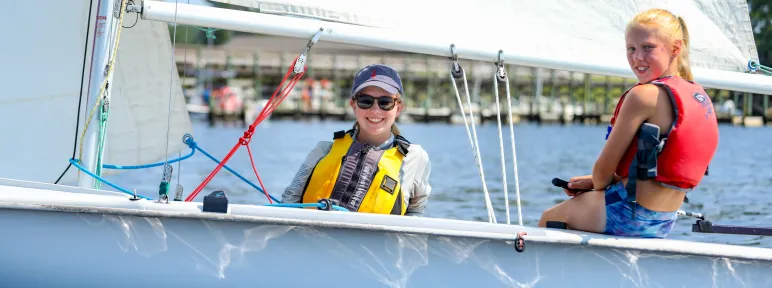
(732,194)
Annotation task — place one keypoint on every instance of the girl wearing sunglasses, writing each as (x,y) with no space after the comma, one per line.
(370,168)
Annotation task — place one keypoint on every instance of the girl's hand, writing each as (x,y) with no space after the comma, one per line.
(578,182)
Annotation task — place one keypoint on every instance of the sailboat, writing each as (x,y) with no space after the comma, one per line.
(87,235)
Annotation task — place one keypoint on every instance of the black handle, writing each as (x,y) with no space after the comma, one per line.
(564,184)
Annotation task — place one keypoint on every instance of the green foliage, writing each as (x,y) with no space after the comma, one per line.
(761,20)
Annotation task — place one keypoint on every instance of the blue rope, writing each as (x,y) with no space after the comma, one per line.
(122,167)
(194,145)
(121,189)
(124,190)
(187,139)
(305,205)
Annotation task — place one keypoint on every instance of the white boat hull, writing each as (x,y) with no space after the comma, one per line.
(58,235)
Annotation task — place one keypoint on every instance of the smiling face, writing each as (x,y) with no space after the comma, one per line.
(649,54)
(375,122)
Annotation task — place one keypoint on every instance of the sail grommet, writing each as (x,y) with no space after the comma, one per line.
(520,242)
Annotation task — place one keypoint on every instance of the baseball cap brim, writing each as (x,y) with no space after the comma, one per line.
(378,83)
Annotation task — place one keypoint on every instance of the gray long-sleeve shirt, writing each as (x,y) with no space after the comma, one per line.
(413,176)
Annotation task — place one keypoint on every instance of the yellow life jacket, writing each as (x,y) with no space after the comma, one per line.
(358,177)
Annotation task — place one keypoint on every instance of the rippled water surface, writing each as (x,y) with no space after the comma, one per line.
(735,192)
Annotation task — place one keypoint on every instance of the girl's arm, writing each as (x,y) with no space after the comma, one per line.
(638,106)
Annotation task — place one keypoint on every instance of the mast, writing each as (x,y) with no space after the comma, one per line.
(108,12)
(436,44)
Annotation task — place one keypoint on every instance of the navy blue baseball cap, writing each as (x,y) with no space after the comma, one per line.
(377,75)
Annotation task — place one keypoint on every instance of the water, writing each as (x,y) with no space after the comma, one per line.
(733,194)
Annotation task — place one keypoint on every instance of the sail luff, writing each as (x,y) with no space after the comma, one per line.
(437,42)
(39,105)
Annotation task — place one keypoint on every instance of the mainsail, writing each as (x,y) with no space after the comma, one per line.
(720,31)
(38,111)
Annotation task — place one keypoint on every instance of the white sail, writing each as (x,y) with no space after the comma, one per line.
(721,33)
(39,105)
(582,36)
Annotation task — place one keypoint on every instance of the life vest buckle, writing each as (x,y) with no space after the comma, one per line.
(633,204)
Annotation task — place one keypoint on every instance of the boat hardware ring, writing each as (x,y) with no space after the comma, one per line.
(327,204)
(501,73)
(455,68)
(520,242)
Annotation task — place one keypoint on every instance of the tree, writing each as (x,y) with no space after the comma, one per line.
(761,20)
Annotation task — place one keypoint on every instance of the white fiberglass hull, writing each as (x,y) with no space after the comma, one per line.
(64,236)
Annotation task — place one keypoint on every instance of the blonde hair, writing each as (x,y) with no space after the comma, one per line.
(673,28)
(394,129)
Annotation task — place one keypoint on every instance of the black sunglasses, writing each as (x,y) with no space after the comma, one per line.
(386,103)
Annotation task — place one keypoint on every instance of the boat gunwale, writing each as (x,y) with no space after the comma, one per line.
(260,214)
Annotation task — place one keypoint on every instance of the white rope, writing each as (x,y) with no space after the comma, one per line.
(475,148)
(171,80)
(184,74)
(514,154)
(501,140)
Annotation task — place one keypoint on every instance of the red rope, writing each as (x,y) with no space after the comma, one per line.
(273,102)
(249,151)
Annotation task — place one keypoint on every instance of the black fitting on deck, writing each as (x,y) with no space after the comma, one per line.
(519,243)
(327,204)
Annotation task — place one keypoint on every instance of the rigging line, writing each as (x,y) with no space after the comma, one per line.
(491,212)
(475,150)
(108,72)
(171,85)
(80,94)
(514,152)
(184,74)
(496,75)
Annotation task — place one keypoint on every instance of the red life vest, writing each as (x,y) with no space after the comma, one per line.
(691,141)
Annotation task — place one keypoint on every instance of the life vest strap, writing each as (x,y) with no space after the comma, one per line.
(402,144)
(364,179)
(341,133)
(644,164)
(347,171)
(356,175)
(338,134)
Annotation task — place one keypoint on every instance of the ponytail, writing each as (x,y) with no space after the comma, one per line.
(684,69)
(394,129)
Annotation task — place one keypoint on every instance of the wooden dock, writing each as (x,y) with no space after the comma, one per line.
(564,96)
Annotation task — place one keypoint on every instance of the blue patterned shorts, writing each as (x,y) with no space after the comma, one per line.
(647,223)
